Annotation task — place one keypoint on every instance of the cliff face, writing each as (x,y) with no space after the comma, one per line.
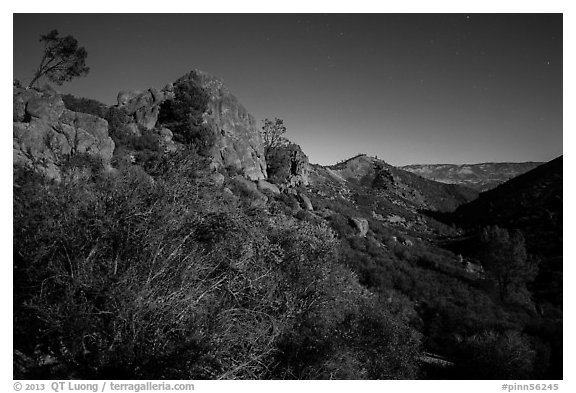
(238,143)
(46,134)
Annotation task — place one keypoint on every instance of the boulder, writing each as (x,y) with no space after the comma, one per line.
(48,107)
(46,134)
(263,185)
(408,243)
(361,224)
(166,142)
(305,202)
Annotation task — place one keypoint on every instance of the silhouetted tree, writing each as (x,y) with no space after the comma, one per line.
(504,257)
(272,132)
(62,59)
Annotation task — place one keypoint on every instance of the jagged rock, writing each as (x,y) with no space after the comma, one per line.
(361,225)
(166,142)
(143,106)
(125,96)
(287,165)
(263,185)
(305,202)
(48,107)
(20,99)
(47,134)
(299,168)
(407,243)
(238,143)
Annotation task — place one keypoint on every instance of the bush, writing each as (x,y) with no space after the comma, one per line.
(85,105)
(184,116)
(492,355)
(128,278)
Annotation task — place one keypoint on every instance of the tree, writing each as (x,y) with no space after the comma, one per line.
(62,59)
(272,132)
(183,115)
(504,257)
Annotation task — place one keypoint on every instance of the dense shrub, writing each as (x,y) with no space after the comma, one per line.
(184,116)
(85,105)
(493,355)
(128,277)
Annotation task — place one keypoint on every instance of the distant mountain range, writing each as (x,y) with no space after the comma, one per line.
(481,177)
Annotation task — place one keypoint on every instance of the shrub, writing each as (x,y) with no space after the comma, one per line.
(184,116)
(128,278)
(492,355)
(85,105)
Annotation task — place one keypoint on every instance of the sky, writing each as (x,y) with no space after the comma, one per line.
(407,88)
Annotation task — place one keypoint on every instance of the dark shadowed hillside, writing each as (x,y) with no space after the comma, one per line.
(531,202)
(481,177)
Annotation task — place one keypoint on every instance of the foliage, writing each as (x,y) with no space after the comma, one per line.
(85,105)
(504,257)
(272,132)
(184,116)
(493,355)
(279,162)
(62,60)
(124,276)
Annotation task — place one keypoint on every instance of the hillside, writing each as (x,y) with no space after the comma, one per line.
(531,203)
(159,238)
(481,177)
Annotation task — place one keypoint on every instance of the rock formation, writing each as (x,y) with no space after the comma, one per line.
(46,134)
(144,106)
(238,145)
(361,224)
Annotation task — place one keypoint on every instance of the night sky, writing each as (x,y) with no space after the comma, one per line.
(408,88)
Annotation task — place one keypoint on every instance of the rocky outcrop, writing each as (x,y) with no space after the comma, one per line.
(238,146)
(144,106)
(361,224)
(287,165)
(46,134)
(299,168)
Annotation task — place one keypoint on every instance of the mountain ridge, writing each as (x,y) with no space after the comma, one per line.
(482,176)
